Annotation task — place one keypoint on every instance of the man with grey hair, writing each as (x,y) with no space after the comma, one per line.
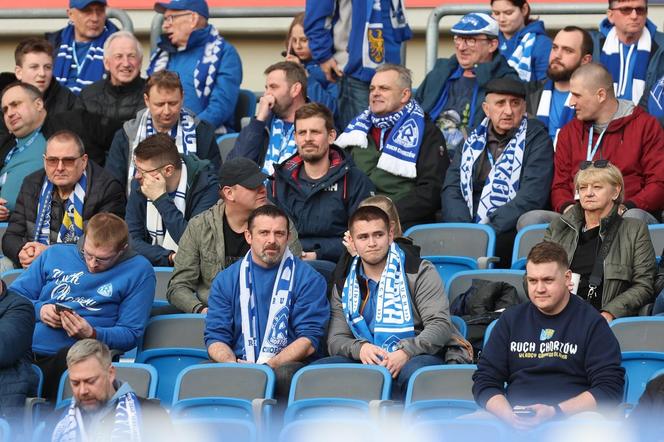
(118,97)
(103,407)
(401,150)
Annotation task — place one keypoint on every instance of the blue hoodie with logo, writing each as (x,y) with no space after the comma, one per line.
(115,302)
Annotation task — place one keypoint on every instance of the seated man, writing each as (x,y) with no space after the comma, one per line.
(164,114)
(103,288)
(269,138)
(452,93)
(555,356)
(209,66)
(504,169)
(55,202)
(103,405)
(401,150)
(319,187)
(405,327)
(215,239)
(118,97)
(79,46)
(270,307)
(167,191)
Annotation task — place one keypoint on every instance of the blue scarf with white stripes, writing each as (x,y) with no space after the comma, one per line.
(521,58)
(71,228)
(544,108)
(65,69)
(394,310)
(280,146)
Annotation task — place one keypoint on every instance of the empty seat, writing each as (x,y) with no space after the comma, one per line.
(462,281)
(226,144)
(214,429)
(639,368)
(460,324)
(641,333)
(163,275)
(245,107)
(525,240)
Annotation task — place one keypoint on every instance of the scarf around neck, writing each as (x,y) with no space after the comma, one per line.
(71,228)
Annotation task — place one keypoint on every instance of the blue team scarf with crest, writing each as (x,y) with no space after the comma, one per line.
(521,58)
(400,151)
(544,108)
(394,313)
(275,337)
(502,184)
(91,68)
(71,228)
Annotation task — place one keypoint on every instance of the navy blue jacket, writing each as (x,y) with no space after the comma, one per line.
(320,211)
(535,184)
(252,141)
(202,193)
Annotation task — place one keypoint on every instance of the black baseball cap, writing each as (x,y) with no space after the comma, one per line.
(241,171)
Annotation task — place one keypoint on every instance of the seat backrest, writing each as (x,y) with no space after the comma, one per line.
(643,333)
(239,381)
(10,275)
(453,239)
(163,275)
(657,237)
(3,229)
(525,240)
(441,382)
(174,331)
(460,324)
(226,144)
(245,107)
(341,381)
(5,431)
(462,281)
(40,377)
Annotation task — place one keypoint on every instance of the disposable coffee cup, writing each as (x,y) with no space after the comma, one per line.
(575,283)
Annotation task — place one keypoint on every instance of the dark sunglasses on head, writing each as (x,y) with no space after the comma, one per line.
(627,10)
(599,164)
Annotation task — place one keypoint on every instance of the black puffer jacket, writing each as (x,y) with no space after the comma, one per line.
(115,104)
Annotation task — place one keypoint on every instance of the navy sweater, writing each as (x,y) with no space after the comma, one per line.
(549,359)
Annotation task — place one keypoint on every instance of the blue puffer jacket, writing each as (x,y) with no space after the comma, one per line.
(220,110)
(539,59)
(320,211)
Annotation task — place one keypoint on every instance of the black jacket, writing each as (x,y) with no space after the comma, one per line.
(104,194)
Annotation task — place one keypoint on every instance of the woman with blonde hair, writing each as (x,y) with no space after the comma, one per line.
(611,258)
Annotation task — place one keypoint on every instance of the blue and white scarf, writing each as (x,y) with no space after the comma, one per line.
(206,69)
(544,109)
(656,99)
(617,62)
(400,151)
(521,58)
(367,17)
(275,337)
(155,224)
(184,135)
(126,426)
(280,147)
(502,184)
(71,228)
(89,70)
(394,313)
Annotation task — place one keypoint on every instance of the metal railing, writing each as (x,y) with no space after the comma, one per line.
(433,31)
(18,14)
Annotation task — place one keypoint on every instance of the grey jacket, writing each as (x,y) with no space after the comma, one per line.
(629,267)
(431,317)
(201,255)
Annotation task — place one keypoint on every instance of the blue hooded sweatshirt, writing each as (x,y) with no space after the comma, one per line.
(539,60)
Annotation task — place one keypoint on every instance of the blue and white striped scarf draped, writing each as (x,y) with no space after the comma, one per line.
(544,109)
(614,58)
(92,66)
(275,337)
(184,135)
(206,70)
(521,58)
(155,224)
(71,228)
(502,184)
(394,312)
(369,15)
(280,146)
(401,149)
(126,425)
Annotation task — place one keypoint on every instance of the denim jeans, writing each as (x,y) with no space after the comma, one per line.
(659,304)
(353,100)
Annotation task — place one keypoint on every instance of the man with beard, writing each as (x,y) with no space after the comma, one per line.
(318,187)
(549,98)
(269,138)
(270,307)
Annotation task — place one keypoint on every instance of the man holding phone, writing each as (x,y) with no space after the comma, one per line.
(552,357)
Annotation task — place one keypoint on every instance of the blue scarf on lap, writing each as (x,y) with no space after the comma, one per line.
(92,66)
(71,228)
(394,313)
(400,151)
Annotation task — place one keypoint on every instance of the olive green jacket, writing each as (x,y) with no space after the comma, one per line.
(201,255)
(629,267)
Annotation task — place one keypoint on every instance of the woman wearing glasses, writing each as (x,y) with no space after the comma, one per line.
(612,258)
(523,40)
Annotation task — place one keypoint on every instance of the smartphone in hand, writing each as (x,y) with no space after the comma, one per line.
(523,411)
(59,308)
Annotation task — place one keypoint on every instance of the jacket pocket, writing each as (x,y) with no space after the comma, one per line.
(617,271)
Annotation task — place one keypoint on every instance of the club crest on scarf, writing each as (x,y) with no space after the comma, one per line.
(408,135)
(279,331)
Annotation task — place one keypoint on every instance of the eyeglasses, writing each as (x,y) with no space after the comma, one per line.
(89,257)
(627,10)
(470,41)
(598,164)
(168,19)
(143,172)
(67,161)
